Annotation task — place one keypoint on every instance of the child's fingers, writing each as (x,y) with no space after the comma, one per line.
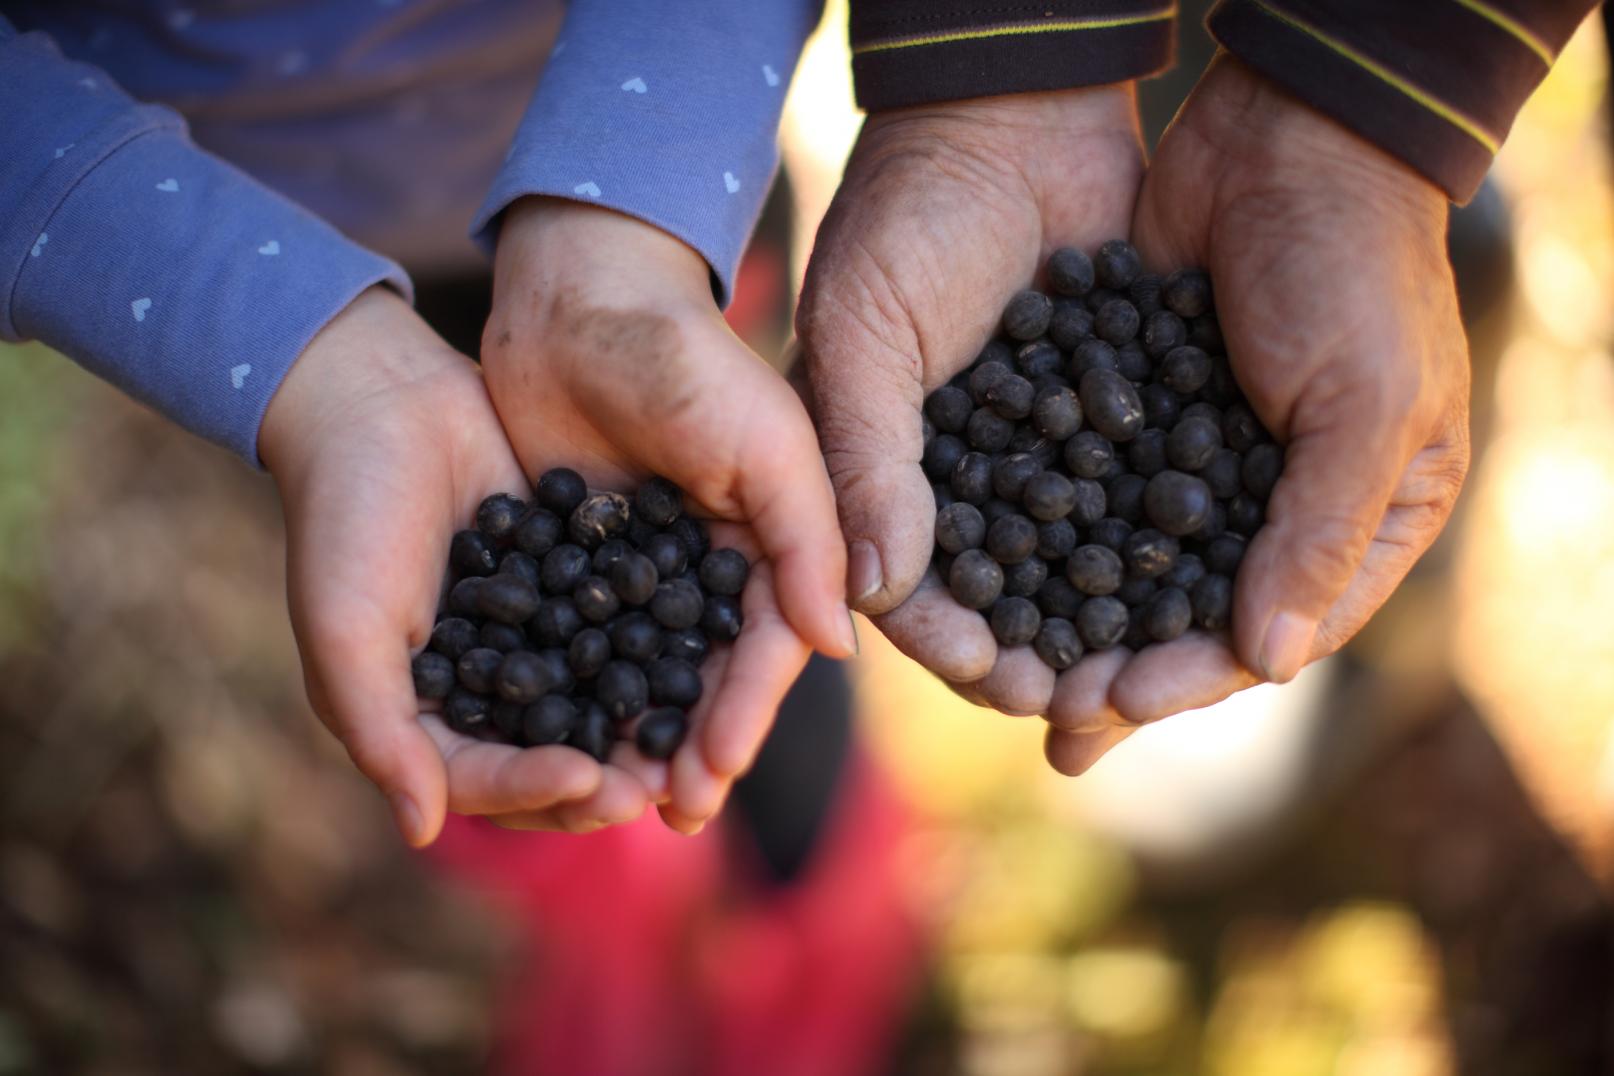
(1073,753)
(358,677)
(492,778)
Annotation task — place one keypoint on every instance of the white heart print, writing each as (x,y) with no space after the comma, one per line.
(39,245)
(590,188)
(140,306)
(770,74)
(730,183)
(635,85)
(61,151)
(168,186)
(270,249)
(238,374)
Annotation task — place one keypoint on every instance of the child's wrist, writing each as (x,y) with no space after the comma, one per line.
(376,344)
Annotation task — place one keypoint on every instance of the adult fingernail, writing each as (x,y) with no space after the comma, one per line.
(1287,646)
(406,815)
(864,576)
(849,635)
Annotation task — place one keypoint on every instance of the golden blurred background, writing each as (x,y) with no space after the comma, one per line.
(1397,866)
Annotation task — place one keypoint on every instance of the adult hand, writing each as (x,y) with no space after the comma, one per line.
(1337,304)
(382,442)
(605,352)
(945,211)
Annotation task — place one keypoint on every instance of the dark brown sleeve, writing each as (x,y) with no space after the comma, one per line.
(911,52)
(1434,82)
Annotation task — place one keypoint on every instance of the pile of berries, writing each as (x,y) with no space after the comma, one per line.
(580,619)
(1097,471)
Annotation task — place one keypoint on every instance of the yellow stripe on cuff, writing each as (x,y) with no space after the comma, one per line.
(1017,29)
(1423,97)
(1512,26)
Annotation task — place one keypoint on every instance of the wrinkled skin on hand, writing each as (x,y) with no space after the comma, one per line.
(944,213)
(1336,299)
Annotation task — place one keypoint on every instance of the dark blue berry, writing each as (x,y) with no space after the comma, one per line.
(1057,643)
(1094,569)
(434,675)
(588,652)
(660,732)
(659,502)
(673,683)
(453,636)
(975,580)
(477,669)
(548,721)
(635,636)
(724,571)
(499,516)
(1015,621)
(560,490)
(471,553)
(622,690)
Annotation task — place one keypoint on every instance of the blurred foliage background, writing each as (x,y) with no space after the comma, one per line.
(1397,866)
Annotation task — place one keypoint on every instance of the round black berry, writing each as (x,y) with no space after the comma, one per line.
(1135,591)
(434,675)
(673,683)
(724,571)
(477,669)
(1088,454)
(522,677)
(987,373)
(1111,532)
(1010,474)
(508,599)
(949,408)
(1149,553)
(1177,503)
(1163,332)
(659,502)
(1242,430)
(1212,601)
(1223,554)
(975,580)
(1011,396)
(972,478)
(555,622)
(1116,322)
(1049,495)
(466,711)
(515,562)
(590,649)
(721,618)
(499,515)
(453,636)
(1070,325)
(622,689)
(1070,271)
(465,598)
(592,733)
(1263,464)
(560,490)
(1011,539)
(989,431)
(563,568)
(1161,406)
(1015,621)
(1124,497)
(596,602)
(1094,569)
(1092,354)
(688,645)
(1132,364)
(693,535)
(942,454)
(1185,369)
(634,578)
(1111,404)
(1186,293)
(1101,622)
(1025,578)
(602,516)
(1146,454)
(1057,413)
(548,721)
(502,637)
(1117,264)
(538,533)
(1187,571)
(660,732)
(1055,539)
(676,604)
(1245,515)
(667,554)
(1224,473)
(959,526)
(1057,643)
(1167,615)
(471,553)
(1057,597)
(635,636)
(1026,317)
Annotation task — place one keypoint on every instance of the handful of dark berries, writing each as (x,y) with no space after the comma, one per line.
(580,619)
(1097,471)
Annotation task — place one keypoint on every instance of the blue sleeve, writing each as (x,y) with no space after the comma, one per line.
(666,112)
(150,262)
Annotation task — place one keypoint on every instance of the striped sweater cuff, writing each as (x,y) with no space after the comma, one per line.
(1436,84)
(913,52)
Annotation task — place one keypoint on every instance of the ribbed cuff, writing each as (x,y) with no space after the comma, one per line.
(909,53)
(1371,95)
